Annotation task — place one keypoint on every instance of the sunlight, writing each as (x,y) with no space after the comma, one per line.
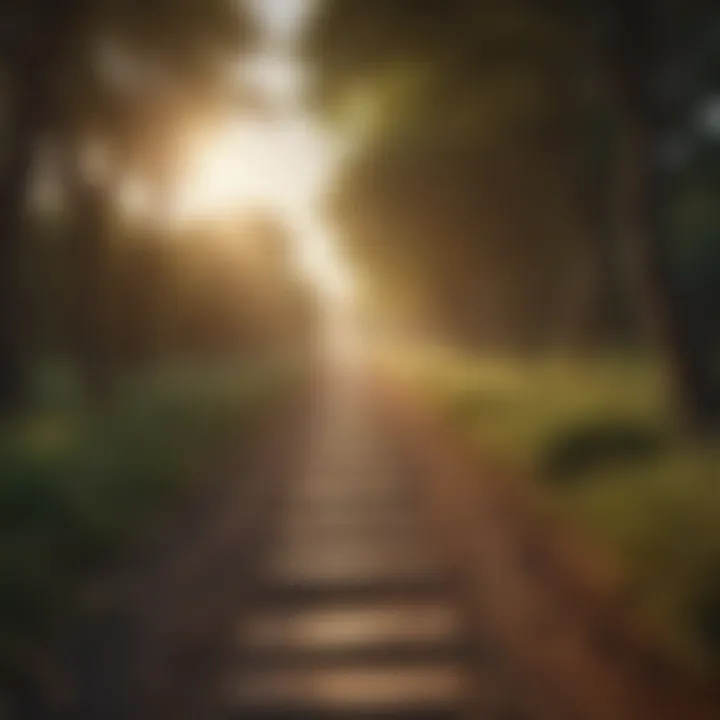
(319,259)
(277,75)
(222,176)
(248,163)
(279,159)
(135,199)
(282,166)
(252,163)
(282,20)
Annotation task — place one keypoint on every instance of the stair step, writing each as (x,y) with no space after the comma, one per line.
(431,691)
(288,713)
(352,554)
(390,535)
(360,503)
(370,524)
(381,630)
(409,653)
(366,589)
(349,507)
(348,564)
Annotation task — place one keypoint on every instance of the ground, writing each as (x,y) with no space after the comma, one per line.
(287,589)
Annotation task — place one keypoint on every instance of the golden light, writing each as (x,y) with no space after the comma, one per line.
(279,76)
(281,161)
(319,259)
(224,174)
(280,165)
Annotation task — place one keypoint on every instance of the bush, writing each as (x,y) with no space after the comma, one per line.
(601,437)
(705,620)
(586,446)
(76,488)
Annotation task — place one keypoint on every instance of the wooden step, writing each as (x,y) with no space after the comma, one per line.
(309,591)
(349,563)
(367,504)
(389,534)
(382,631)
(352,520)
(431,691)
(362,499)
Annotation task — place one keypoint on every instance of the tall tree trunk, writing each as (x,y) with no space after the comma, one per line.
(88,267)
(88,291)
(32,44)
(639,57)
(23,123)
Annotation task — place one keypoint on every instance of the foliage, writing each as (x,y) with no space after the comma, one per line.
(76,489)
(600,443)
(515,165)
(478,183)
(96,91)
(603,443)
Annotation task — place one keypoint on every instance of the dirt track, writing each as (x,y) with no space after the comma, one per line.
(358,567)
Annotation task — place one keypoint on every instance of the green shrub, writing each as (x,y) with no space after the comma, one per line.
(75,488)
(607,442)
(705,619)
(601,437)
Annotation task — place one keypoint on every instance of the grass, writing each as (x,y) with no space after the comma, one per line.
(600,439)
(76,488)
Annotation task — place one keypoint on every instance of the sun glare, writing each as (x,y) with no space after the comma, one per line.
(259,164)
(279,160)
(222,176)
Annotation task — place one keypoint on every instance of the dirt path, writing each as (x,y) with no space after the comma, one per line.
(357,615)
(360,568)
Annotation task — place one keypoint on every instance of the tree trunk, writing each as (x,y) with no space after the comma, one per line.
(88,277)
(27,114)
(32,44)
(639,56)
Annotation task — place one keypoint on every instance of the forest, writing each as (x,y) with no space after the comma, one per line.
(523,195)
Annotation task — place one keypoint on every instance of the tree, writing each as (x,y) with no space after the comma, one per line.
(546,107)
(83,71)
(642,60)
(468,112)
(34,36)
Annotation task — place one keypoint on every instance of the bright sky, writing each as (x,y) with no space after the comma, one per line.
(283,19)
(249,162)
(282,162)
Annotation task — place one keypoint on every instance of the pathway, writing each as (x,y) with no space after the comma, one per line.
(354,617)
